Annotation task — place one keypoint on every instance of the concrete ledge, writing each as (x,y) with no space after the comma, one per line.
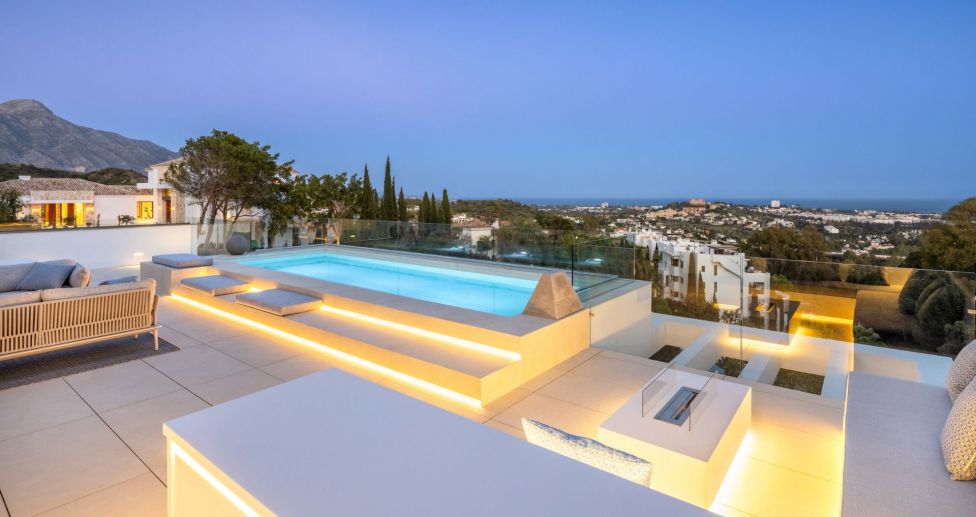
(166,277)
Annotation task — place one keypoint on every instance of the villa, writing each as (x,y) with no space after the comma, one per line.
(383,376)
(61,202)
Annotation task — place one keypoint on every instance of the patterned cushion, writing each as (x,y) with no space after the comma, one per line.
(590,452)
(80,276)
(45,276)
(962,371)
(959,436)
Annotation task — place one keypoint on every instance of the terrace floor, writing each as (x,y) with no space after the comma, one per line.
(92,443)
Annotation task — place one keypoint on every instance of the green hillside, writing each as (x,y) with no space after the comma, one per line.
(109,176)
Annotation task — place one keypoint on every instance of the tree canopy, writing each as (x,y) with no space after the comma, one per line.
(951,244)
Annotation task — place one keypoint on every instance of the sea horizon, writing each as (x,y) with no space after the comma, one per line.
(914,205)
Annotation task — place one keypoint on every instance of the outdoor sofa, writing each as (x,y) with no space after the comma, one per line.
(39,313)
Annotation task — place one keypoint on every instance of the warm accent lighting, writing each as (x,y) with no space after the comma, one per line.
(463,343)
(177,452)
(826,319)
(338,354)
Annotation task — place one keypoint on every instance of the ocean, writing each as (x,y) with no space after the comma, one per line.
(931,206)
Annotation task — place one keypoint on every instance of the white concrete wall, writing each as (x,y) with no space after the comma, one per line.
(96,247)
(111,207)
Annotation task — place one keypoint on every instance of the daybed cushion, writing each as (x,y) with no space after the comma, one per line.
(959,436)
(893,464)
(590,452)
(963,371)
(182,260)
(44,275)
(280,301)
(19,298)
(11,275)
(64,293)
(216,285)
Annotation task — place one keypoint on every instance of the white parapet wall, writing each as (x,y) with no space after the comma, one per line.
(96,247)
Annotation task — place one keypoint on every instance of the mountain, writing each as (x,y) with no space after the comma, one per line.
(31,133)
(109,176)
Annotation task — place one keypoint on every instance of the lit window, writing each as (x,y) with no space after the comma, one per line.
(144,209)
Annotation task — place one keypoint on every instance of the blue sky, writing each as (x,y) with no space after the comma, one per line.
(541,99)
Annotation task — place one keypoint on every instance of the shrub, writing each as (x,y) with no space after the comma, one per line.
(867,275)
(913,288)
(867,336)
(934,285)
(942,308)
(958,335)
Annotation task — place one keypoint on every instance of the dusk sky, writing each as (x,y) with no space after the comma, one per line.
(542,99)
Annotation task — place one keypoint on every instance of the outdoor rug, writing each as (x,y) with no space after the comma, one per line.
(50,365)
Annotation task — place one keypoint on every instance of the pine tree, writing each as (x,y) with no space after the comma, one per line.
(388,203)
(445,208)
(367,204)
(424,209)
(402,207)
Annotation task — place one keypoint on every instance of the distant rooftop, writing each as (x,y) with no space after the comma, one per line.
(26,186)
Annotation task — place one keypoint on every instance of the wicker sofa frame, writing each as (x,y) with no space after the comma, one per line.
(35,328)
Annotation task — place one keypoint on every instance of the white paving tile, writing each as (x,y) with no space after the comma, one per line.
(36,406)
(121,384)
(196,365)
(234,386)
(142,496)
(258,349)
(54,466)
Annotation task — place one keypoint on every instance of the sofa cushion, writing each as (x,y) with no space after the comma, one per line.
(963,371)
(893,464)
(280,301)
(182,260)
(590,452)
(216,285)
(66,293)
(80,276)
(45,276)
(959,436)
(11,275)
(19,298)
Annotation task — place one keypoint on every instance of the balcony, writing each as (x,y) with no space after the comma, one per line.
(793,342)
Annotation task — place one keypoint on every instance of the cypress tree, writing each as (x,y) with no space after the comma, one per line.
(388,209)
(435,213)
(424,209)
(445,208)
(402,207)
(367,205)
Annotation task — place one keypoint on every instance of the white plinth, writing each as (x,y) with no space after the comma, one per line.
(690,460)
(333,444)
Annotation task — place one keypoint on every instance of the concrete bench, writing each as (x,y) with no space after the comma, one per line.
(168,270)
(893,462)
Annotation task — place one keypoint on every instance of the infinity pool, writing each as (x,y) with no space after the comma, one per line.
(497,294)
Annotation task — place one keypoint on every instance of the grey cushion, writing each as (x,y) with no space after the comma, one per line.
(216,285)
(182,260)
(11,275)
(121,280)
(893,463)
(80,276)
(588,451)
(45,276)
(65,293)
(19,298)
(280,301)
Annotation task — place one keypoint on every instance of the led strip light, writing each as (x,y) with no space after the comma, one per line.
(463,343)
(177,452)
(343,356)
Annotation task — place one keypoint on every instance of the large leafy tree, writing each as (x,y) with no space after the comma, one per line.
(951,244)
(228,176)
(10,206)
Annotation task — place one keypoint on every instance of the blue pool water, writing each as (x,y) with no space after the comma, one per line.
(496,294)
